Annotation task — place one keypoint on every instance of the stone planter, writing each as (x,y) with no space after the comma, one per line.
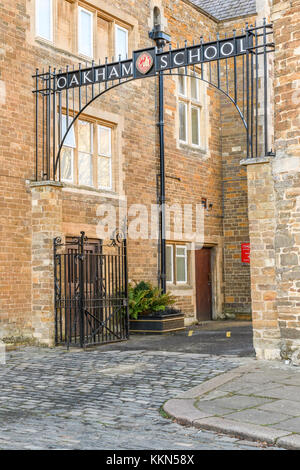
(158,323)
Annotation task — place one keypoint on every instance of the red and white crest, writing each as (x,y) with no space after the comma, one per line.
(144,63)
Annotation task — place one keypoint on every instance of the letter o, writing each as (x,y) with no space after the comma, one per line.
(224,45)
(215,52)
(59,79)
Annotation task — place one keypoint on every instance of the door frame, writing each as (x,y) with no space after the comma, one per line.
(216,278)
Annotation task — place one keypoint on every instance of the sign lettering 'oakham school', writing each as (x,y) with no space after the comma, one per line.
(151,62)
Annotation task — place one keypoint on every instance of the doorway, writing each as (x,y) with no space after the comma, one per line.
(203,284)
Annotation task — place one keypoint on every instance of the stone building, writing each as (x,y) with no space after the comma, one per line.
(111,158)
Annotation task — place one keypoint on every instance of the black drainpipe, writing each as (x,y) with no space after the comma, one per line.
(161,39)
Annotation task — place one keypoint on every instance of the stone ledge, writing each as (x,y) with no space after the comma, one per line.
(255,161)
(38,184)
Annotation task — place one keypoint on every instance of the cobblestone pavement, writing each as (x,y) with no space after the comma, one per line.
(54,399)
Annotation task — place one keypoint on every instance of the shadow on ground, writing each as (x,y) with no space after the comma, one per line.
(216,338)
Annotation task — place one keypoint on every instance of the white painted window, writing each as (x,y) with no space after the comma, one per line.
(176,264)
(104,158)
(194,88)
(195,125)
(183,130)
(86,157)
(67,153)
(169,264)
(182,85)
(44,19)
(189,110)
(121,43)
(85,32)
(85,153)
(181,264)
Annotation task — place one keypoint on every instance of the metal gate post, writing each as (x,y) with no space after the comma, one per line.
(81,289)
(125,274)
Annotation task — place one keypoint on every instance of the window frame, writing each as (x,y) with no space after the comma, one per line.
(117,26)
(91,14)
(184,94)
(90,154)
(170,245)
(198,109)
(174,256)
(37,23)
(102,155)
(95,155)
(190,104)
(186,122)
(185,262)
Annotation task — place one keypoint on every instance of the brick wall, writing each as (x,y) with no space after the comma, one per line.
(286,170)
(273,199)
(24,283)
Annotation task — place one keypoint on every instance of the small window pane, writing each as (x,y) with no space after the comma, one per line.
(194,88)
(182,85)
(70,138)
(44,19)
(85,169)
(169,263)
(182,122)
(195,126)
(84,137)
(67,164)
(121,43)
(104,172)
(180,251)
(104,140)
(85,37)
(180,270)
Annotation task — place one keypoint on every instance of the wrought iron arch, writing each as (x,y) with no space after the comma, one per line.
(236,75)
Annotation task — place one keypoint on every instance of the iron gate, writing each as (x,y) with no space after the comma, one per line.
(91,303)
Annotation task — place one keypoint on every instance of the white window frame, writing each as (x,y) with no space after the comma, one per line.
(184,94)
(72,130)
(185,263)
(126,31)
(91,14)
(198,109)
(109,155)
(71,180)
(91,154)
(197,88)
(186,106)
(37,25)
(172,263)
(190,104)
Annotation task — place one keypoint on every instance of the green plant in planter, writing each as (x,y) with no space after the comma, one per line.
(145,299)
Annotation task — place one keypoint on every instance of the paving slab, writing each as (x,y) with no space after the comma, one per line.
(282,406)
(261,403)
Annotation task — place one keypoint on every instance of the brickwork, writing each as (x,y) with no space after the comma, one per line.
(237,295)
(273,199)
(46,225)
(286,17)
(34,214)
(262,219)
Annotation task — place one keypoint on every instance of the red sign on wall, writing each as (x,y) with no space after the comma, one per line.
(245,252)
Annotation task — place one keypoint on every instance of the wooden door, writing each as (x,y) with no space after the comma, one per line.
(203,284)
